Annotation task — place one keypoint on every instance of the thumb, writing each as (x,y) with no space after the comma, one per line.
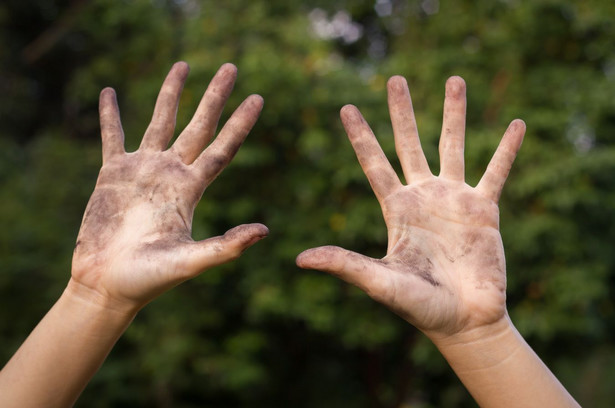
(202,255)
(359,270)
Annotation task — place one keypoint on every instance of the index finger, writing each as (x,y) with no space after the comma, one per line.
(220,152)
(492,182)
(379,172)
(110,125)
(202,127)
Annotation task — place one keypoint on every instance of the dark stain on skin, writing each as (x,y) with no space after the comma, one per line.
(119,170)
(382,181)
(470,210)
(166,189)
(470,243)
(427,276)
(439,191)
(159,180)
(101,218)
(170,242)
(216,163)
(446,253)
(415,262)
(102,212)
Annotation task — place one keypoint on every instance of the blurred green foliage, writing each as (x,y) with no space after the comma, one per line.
(261,332)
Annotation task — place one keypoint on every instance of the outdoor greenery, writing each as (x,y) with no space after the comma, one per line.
(260,332)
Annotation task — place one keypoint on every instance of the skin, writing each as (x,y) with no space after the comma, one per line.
(140,214)
(135,239)
(444,270)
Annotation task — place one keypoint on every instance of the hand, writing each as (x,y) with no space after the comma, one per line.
(135,239)
(444,270)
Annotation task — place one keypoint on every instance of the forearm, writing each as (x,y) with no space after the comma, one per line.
(500,369)
(63,352)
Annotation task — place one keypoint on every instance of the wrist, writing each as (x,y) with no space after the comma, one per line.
(480,348)
(91,300)
(499,368)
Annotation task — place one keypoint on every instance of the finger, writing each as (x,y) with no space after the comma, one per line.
(218,154)
(374,163)
(453,130)
(492,182)
(162,126)
(407,143)
(356,269)
(110,125)
(202,127)
(202,255)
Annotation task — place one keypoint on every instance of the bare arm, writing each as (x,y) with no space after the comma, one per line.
(135,239)
(444,271)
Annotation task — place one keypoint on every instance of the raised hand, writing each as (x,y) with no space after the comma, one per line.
(444,270)
(135,239)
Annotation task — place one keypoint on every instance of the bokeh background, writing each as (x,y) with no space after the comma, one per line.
(260,332)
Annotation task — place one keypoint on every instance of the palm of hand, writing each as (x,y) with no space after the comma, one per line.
(444,270)
(135,239)
(445,258)
(138,216)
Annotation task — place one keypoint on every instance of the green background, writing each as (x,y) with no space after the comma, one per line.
(260,331)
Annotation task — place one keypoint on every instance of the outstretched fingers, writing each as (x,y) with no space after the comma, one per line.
(453,130)
(407,143)
(202,127)
(202,255)
(220,152)
(381,175)
(492,182)
(161,128)
(111,130)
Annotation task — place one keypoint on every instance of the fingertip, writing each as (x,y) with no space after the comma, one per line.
(181,68)
(256,100)
(397,82)
(302,259)
(455,86)
(316,258)
(350,115)
(106,94)
(228,68)
(259,230)
(107,103)
(261,227)
(252,106)
(242,237)
(348,109)
(107,91)
(516,132)
(181,65)
(247,234)
(456,80)
(518,124)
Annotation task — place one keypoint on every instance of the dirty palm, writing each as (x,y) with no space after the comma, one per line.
(142,207)
(444,270)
